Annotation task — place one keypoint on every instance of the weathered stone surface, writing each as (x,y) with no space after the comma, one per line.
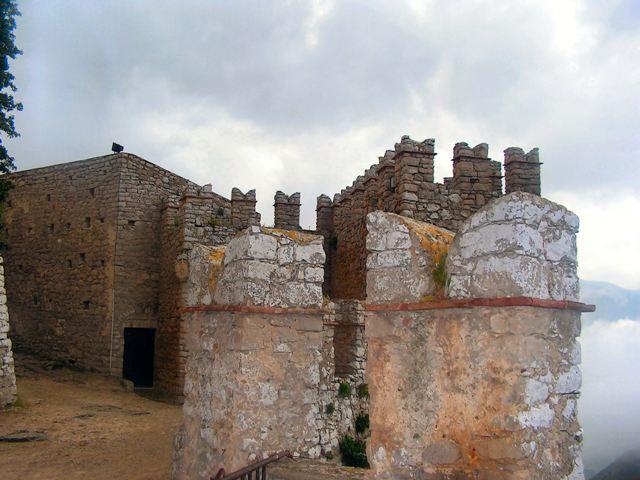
(467,392)
(403,254)
(252,388)
(287,211)
(271,267)
(8,390)
(94,245)
(402,182)
(519,245)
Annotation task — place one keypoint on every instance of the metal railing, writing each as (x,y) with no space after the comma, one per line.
(255,471)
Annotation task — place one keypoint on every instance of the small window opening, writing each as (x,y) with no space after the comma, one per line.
(102,220)
(51,227)
(67,227)
(102,263)
(82,257)
(87,221)
(9,203)
(69,264)
(391,185)
(86,304)
(132,223)
(36,300)
(30,230)
(48,197)
(92,191)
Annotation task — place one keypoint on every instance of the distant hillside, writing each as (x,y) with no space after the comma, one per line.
(613,302)
(625,467)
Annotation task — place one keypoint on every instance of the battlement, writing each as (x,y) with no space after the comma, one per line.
(522,171)
(287,211)
(402,182)
(462,149)
(243,208)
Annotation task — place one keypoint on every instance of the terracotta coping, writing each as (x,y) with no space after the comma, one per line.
(483,302)
(253,309)
(404,307)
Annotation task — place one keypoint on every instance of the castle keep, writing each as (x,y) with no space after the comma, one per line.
(447,313)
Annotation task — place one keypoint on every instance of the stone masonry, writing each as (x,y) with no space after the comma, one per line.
(287,211)
(402,182)
(522,172)
(444,314)
(8,391)
(477,388)
(255,337)
(243,209)
(90,246)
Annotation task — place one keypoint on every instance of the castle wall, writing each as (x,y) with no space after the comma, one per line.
(484,391)
(197,220)
(8,390)
(168,352)
(255,337)
(402,182)
(85,253)
(61,224)
(485,382)
(143,189)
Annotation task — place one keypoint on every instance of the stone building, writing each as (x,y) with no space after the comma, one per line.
(88,273)
(120,266)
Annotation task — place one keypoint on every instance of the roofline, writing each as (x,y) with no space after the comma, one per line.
(114,156)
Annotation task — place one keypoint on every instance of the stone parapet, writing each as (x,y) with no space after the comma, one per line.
(255,334)
(403,256)
(520,245)
(486,387)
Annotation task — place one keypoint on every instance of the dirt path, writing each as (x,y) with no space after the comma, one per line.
(94,429)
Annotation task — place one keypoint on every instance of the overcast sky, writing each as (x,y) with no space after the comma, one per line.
(303,96)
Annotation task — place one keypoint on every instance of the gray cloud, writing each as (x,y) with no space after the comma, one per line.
(328,86)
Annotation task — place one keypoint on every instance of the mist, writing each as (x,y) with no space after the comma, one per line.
(610,399)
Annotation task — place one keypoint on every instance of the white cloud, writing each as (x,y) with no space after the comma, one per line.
(609,238)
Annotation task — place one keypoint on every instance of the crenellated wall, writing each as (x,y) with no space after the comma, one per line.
(403,182)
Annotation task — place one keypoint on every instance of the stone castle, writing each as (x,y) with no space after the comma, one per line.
(446,313)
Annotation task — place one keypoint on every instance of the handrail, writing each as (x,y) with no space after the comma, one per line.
(259,468)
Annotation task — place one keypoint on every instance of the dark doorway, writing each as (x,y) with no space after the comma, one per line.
(137,362)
